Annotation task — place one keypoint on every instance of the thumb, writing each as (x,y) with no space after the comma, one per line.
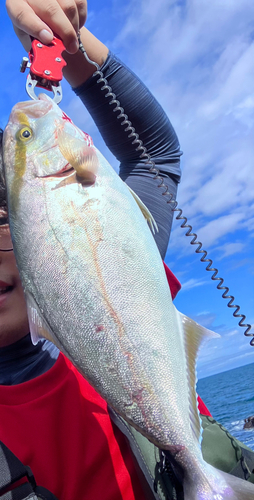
(26,22)
(44,36)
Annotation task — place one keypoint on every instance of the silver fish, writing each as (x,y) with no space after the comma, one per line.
(95,285)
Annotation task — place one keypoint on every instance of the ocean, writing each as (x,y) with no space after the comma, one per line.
(229,396)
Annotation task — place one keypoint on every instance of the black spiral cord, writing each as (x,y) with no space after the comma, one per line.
(170,200)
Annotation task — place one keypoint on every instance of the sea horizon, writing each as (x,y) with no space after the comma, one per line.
(229,396)
(228,370)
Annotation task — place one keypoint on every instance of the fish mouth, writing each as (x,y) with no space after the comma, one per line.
(32,109)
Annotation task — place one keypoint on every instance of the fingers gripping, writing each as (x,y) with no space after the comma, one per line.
(41,19)
(25,21)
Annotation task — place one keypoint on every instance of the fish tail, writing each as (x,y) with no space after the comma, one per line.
(241,489)
(221,486)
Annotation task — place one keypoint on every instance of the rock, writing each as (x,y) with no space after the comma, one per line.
(249,422)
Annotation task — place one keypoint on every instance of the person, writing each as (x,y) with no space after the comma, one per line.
(50,417)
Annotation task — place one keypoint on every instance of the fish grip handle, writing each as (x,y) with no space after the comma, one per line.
(170,198)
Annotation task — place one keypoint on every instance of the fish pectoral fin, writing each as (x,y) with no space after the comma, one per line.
(38,327)
(71,179)
(194,334)
(81,157)
(148,216)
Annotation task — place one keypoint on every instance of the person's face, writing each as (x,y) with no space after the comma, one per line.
(13,313)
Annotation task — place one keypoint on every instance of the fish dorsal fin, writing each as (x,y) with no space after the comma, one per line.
(194,335)
(81,157)
(38,326)
(148,216)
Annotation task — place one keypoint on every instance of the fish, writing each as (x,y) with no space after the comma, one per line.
(95,285)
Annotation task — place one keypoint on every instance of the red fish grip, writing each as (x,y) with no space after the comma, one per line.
(46,66)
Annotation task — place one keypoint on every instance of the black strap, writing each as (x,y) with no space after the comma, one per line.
(165,474)
(22,492)
(245,466)
(11,471)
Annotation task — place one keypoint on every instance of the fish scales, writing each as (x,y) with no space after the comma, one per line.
(95,284)
(119,306)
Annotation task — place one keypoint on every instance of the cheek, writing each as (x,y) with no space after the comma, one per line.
(18,287)
(13,313)
(10,270)
(19,292)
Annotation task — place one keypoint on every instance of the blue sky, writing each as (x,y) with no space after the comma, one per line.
(197,58)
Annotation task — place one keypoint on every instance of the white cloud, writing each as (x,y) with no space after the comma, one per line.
(247,356)
(205,319)
(235,61)
(209,233)
(232,349)
(230,249)
(227,188)
(192,283)
(217,228)
(232,333)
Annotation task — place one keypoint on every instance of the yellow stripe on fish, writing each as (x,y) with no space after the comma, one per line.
(23,135)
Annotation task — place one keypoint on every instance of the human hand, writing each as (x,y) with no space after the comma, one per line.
(42,18)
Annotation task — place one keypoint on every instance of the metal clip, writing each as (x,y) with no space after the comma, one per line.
(32,83)
(24,64)
(46,64)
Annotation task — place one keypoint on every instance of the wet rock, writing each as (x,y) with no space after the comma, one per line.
(249,422)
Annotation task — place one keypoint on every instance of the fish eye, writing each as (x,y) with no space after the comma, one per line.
(25,133)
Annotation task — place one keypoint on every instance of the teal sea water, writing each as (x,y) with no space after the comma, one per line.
(229,396)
